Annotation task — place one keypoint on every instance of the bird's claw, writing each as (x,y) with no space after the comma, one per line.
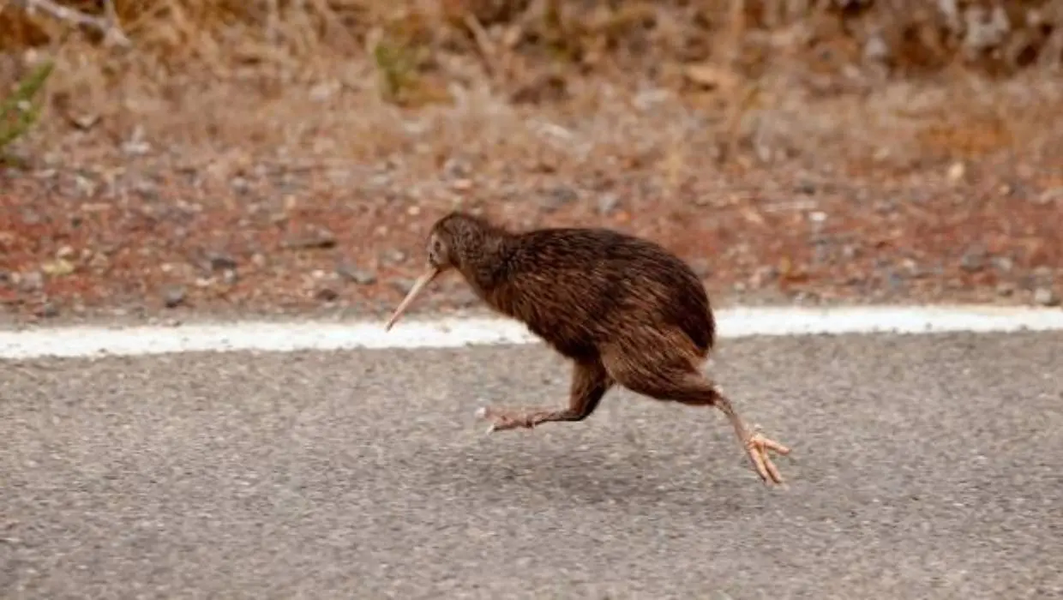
(757,447)
(502,420)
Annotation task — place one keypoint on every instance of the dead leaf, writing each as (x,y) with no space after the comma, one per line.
(710,77)
(752,216)
(57,267)
(85,122)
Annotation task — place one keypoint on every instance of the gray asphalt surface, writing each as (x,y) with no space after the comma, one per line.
(924,467)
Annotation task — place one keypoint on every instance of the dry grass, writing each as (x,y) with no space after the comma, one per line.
(234,124)
(367,79)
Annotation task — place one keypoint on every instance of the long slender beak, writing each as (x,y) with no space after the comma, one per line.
(418,286)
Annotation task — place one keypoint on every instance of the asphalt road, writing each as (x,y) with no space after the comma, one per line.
(923,467)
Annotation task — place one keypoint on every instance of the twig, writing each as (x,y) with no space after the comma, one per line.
(483,42)
(108,26)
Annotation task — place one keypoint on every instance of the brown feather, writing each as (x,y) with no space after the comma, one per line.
(624,309)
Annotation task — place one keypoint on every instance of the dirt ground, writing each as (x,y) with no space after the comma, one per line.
(160,188)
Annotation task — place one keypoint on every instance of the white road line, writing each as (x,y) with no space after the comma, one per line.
(82,341)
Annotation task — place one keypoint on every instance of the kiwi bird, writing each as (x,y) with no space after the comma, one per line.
(623,309)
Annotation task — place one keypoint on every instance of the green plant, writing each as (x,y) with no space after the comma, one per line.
(18,112)
(398,69)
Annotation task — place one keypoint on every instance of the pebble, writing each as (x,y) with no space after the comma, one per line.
(895,281)
(394,256)
(607,203)
(876,49)
(558,196)
(353,273)
(974,258)
(402,284)
(49,310)
(30,281)
(912,268)
(1046,297)
(1003,264)
(1050,195)
(57,267)
(220,261)
(31,218)
(317,238)
(240,185)
(457,168)
(957,171)
(701,267)
(173,296)
(327,294)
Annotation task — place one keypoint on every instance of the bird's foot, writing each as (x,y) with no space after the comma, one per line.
(503,419)
(757,447)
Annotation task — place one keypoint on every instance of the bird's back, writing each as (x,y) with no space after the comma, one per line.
(578,288)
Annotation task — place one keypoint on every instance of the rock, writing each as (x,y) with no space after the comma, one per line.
(49,310)
(353,273)
(240,185)
(822,253)
(31,281)
(545,87)
(912,268)
(220,261)
(1045,296)
(957,171)
(974,258)
(173,296)
(1049,196)
(327,294)
(457,168)
(57,268)
(701,267)
(317,238)
(607,203)
(394,256)
(764,275)
(29,217)
(402,284)
(1003,264)
(464,297)
(1005,289)
(895,281)
(876,49)
(557,197)
(707,76)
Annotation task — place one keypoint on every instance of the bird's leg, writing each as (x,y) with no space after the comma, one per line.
(589,384)
(755,444)
(689,386)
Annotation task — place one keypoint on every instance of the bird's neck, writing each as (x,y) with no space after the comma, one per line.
(484,265)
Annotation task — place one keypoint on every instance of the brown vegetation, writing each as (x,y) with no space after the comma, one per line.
(236,124)
(416,51)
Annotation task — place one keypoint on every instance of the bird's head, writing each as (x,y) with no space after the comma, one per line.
(450,241)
